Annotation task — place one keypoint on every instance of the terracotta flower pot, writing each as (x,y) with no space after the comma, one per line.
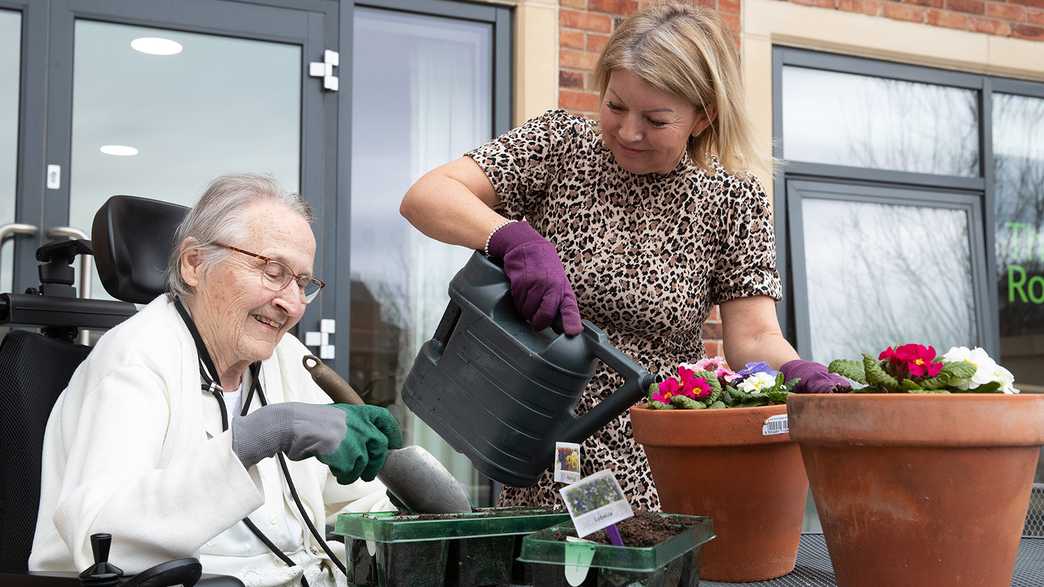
(920,489)
(718,463)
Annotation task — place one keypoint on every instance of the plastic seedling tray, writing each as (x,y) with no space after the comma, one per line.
(673,562)
(388,548)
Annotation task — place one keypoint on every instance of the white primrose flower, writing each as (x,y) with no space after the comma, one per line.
(986,369)
(756,383)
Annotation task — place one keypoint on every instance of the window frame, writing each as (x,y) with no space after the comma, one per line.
(800,189)
(793,314)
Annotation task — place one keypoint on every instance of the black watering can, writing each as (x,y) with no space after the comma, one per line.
(500,392)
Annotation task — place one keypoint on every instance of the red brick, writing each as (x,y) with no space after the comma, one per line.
(570,39)
(1033,3)
(573,19)
(817,3)
(712,330)
(1035,16)
(613,6)
(712,348)
(871,7)
(581,4)
(731,20)
(904,12)
(596,42)
(577,59)
(950,20)
(570,79)
(928,3)
(729,6)
(578,101)
(991,27)
(969,6)
(711,4)
(1012,12)
(1026,31)
(715,314)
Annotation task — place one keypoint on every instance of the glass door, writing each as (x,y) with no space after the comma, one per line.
(154,102)
(10,92)
(423,93)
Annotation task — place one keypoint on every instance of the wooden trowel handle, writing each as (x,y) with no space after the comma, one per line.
(339,390)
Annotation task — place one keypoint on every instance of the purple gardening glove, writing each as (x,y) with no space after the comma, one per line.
(814,377)
(539,286)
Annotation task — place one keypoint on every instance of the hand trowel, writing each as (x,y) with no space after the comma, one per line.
(416,481)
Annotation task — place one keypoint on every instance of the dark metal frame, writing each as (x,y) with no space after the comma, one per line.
(918,187)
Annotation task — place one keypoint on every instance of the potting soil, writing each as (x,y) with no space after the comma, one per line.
(644,529)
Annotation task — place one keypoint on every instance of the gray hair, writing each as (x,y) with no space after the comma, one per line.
(218,217)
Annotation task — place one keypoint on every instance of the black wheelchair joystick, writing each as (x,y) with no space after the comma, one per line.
(102,573)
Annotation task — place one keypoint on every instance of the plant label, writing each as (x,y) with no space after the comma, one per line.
(595,502)
(567,462)
(774,425)
(578,556)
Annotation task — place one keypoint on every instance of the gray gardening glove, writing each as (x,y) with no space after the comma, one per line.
(297,429)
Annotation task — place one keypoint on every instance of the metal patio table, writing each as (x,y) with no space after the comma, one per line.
(813,567)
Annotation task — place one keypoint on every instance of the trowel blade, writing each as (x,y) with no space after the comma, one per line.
(420,482)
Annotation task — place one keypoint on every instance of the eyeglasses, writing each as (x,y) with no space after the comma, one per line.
(276,275)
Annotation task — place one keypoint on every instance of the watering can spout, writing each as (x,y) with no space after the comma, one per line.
(504,394)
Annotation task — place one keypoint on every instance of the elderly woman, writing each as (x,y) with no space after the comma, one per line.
(640,222)
(164,435)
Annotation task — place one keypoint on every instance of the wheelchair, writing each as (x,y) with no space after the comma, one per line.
(131,240)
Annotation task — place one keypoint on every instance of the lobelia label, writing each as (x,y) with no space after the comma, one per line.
(595,502)
(775,425)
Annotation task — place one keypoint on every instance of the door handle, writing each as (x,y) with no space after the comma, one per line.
(9,231)
(86,264)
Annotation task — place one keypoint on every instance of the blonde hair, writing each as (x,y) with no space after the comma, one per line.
(686,51)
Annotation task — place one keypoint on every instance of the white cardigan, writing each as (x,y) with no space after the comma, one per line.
(135,449)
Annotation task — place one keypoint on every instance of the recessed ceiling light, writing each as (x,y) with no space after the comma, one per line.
(119,150)
(156,46)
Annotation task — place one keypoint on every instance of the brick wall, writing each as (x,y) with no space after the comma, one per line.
(585,25)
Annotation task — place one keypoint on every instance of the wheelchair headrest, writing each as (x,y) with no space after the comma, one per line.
(132,239)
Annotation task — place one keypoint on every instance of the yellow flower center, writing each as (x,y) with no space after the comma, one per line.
(919,362)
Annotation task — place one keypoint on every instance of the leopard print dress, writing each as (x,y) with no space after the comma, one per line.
(647,255)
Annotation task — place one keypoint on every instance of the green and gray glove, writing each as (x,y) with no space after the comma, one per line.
(352,440)
(372,431)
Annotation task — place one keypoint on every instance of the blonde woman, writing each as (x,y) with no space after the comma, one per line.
(640,222)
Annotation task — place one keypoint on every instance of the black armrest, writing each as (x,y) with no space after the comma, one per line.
(41,579)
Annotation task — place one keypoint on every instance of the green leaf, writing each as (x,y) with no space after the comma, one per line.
(686,403)
(909,385)
(929,391)
(951,372)
(653,388)
(991,387)
(729,396)
(777,396)
(717,406)
(850,368)
(877,376)
(660,405)
(790,385)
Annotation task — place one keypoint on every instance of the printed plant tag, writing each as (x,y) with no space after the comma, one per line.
(567,462)
(774,425)
(596,501)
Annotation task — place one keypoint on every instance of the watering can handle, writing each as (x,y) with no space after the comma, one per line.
(636,381)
